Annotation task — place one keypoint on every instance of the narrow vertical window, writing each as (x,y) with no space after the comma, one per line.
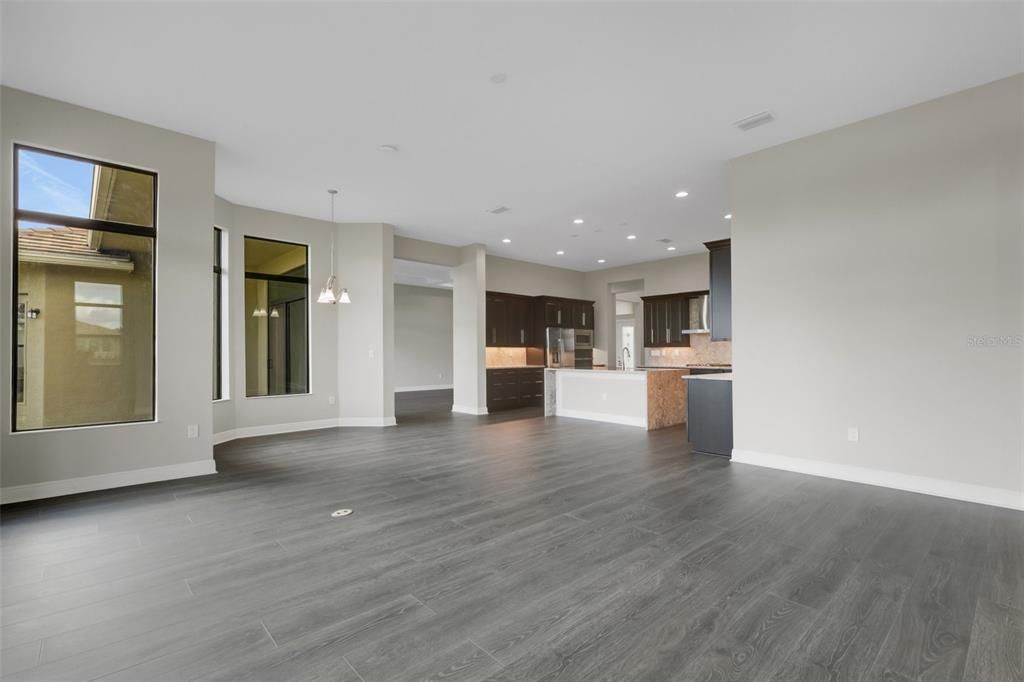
(276,318)
(218,322)
(84,351)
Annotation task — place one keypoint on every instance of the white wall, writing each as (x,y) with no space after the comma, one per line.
(240,415)
(469,341)
(341,336)
(866,261)
(43,463)
(423,337)
(529,279)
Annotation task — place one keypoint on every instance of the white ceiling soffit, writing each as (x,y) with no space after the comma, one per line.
(421,274)
(556,111)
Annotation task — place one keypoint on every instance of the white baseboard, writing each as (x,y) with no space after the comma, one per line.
(272,429)
(118,479)
(367,421)
(599,417)
(466,409)
(425,387)
(967,492)
(292,427)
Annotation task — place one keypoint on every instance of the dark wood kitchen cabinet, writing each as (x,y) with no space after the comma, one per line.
(582,315)
(568,313)
(509,320)
(667,317)
(720,260)
(508,388)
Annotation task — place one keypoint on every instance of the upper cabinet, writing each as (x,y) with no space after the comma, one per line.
(509,320)
(669,319)
(519,321)
(569,313)
(720,254)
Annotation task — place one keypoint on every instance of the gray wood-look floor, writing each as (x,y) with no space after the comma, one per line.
(507,547)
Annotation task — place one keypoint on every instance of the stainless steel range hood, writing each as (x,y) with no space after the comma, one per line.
(699,316)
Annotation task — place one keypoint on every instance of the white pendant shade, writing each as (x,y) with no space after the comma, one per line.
(330,293)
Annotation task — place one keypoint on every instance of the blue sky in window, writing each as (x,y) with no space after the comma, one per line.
(54,184)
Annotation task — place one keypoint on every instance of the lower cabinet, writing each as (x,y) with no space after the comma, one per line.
(515,387)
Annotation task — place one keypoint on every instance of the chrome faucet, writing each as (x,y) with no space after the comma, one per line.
(625,354)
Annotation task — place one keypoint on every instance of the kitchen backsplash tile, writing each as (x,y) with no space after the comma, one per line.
(702,350)
(506,357)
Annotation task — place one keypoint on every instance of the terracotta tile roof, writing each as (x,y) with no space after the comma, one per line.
(57,244)
(57,239)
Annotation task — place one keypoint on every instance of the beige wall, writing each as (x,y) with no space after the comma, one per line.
(668,276)
(867,262)
(529,279)
(423,337)
(184,313)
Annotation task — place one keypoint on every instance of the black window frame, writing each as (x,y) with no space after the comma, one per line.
(218,271)
(19,214)
(294,280)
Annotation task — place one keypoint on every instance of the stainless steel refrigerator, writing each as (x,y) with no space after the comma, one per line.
(560,347)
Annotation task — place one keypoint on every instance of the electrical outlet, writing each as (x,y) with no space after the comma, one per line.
(853,434)
(193,430)
(330,400)
(604,396)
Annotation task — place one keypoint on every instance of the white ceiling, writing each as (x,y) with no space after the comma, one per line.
(421,274)
(608,108)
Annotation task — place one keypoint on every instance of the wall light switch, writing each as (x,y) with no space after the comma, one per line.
(193,430)
(371,353)
(853,434)
(330,400)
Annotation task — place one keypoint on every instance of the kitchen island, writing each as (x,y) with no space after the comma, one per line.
(648,398)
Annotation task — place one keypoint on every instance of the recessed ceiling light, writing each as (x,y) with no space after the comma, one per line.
(682,193)
(630,236)
(670,248)
(387,148)
(559,253)
(728,216)
(578,221)
(600,260)
(506,240)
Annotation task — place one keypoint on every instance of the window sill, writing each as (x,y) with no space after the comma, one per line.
(57,429)
(280,395)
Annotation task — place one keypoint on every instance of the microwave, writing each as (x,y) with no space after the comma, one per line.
(584,338)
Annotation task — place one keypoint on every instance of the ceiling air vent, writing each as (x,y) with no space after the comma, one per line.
(754,121)
(665,241)
(499,210)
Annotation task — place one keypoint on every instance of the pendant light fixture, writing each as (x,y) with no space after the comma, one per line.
(330,293)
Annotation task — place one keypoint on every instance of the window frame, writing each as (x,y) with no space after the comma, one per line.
(309,322)
(19,214)
(218,302)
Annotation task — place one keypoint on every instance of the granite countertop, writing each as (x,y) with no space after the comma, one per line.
(723,376)
(518,367)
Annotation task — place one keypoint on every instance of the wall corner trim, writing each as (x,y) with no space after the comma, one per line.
(466,409)
(117,479)
(954,490)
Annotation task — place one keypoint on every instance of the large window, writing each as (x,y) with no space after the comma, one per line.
(218,321)
(83,308)
(276,318)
